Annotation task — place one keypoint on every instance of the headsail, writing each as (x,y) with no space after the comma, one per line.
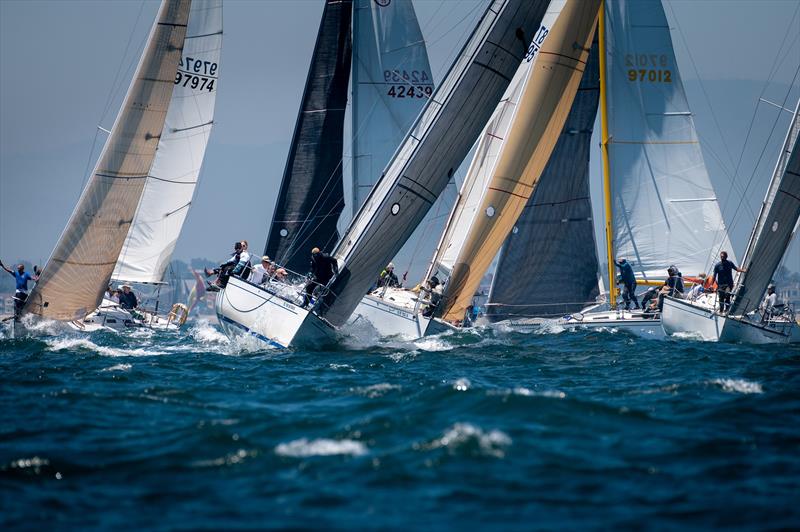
(664,207)
(427,158)
(775,225)
(549,90)
(548,264)
(311,197)
(170,186)
(391,83)
(81,264)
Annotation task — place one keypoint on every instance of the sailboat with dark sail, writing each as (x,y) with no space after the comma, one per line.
(420,169)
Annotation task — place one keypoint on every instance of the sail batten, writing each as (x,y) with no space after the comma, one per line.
(74,278)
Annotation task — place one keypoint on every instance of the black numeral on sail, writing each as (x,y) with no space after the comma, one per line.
(196,73)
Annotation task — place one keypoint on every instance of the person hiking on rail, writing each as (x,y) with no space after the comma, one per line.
(388,277)
(323,268)
(21,292)
(223,272)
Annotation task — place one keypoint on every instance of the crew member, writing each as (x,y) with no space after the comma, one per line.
(628,279)
(323,268)
(723,276)
(388,277)
(127,299)
(21,292)
(261,272)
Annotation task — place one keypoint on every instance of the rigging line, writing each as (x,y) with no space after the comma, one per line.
(764,149)
(459,42)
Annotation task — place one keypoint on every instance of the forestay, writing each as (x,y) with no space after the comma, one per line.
(311,196)
(81,264)
(558,57)
(548,264)
(775,225)
(427,158)
(664,207)
(171,183)
(391,83)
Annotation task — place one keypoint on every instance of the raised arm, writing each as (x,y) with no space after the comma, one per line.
(4,267)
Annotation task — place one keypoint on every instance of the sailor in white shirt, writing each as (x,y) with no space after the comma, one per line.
(260,272)
(770,300)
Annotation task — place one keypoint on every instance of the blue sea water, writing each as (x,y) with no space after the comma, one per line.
(486,429)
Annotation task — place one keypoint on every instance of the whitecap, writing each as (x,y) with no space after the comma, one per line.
(462,384)
(70,344)
(320,447)
(462,435)
(525,392)
(376,390)
(433,343)
(118,367)
(229,459)
(205,333)
(738,386)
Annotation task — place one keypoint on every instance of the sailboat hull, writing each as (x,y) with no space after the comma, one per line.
(390,318)
(244,309)
(631,322)
(685,318)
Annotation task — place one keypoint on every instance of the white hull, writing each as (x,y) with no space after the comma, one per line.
(111,316)
(393,317)
(683,317)
(631,322)
(395,312)
(247,309)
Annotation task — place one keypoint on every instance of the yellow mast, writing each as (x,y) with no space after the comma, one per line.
(612,286)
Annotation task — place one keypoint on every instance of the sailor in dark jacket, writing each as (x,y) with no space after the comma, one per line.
(323,268)
(628,279)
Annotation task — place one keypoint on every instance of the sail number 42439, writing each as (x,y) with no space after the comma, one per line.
(196,73)
(408,83)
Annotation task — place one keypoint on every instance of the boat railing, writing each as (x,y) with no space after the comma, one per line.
(293,286)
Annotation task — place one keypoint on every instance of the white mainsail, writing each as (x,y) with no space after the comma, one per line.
(172,179)
(664,208)
(74,278)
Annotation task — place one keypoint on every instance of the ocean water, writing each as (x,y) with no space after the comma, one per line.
(486,429)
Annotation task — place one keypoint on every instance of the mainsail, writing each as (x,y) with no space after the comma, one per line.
(391,83)
(548,264)
(427,158)
(311,196)
(775,225)
(664,207)
(74,278)
(549,90)
(171,182)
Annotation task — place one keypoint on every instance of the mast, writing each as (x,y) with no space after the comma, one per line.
(612,291)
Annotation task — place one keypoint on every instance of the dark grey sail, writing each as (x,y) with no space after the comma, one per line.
(775,225)
(311,197)
(548,264)
(439,140)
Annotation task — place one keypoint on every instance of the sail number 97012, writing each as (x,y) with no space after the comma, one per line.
(196,73)
(653,68)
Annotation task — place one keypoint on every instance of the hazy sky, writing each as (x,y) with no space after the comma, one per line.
(64,70)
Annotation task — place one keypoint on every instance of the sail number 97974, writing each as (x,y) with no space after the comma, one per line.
(196,73)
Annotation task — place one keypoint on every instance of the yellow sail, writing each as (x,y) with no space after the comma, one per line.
(540,116)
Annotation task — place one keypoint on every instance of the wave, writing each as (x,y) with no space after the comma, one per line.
(69,344)
(303,448)
(738,386)
(465,437)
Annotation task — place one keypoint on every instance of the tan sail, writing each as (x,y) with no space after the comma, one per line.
(540,116)
(81,264)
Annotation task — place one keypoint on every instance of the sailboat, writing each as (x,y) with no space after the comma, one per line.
(660,207)
(772,233)
(511,154)
(128,218)
(420,169)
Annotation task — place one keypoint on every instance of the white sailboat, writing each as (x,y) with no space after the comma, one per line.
(773,231)
(510,157)
(131,211)
(420,169)
(660,206)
